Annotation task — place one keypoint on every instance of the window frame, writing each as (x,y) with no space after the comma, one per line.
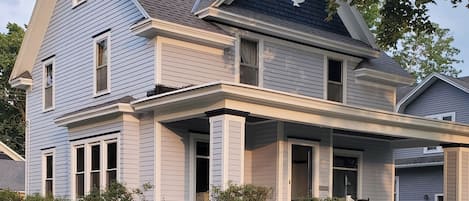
(354,154)
(438,195)
(194,138)
(76,3)
(343,77)
(440,117)
(260,58)
(104,36)
(45,154)
(87,144)
(46,63)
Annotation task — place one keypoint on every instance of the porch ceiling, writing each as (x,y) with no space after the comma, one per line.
(195,101)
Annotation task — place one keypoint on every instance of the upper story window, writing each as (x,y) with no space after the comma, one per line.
(450,116)
(335,86)
(48,173)
(249,62)
(48,91)
(75,3)
(102,64)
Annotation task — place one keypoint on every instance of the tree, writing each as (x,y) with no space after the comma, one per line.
(12,101)
(397,17)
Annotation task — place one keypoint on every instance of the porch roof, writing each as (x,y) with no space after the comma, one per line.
(195,101)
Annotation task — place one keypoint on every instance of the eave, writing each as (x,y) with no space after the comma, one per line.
(21,83)
(179,105)
(79,117)
(152,27)
(216,14)
(382,77)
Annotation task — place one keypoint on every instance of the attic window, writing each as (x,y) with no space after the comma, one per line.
(334,80)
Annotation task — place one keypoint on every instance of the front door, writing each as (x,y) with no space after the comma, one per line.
(302,168)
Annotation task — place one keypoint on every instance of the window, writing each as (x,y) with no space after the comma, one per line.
(346,174)
(439,197)
(432,150)
(249,62)
(102,64)
(48,174)
(77,2)
(450,116)
(200,164)
(95,164)
(334,80)
(48,85)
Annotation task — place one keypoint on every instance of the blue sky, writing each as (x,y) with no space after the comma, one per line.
(455,19)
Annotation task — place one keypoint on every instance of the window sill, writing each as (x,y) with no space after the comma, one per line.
(46,110)
(101,93)
(75,5)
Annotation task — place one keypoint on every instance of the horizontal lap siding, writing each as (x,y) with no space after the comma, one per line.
(147,153)
(235,151)
(415,183)
(69,38)
(183,66)
(293,70)
(216,150)
(130,163)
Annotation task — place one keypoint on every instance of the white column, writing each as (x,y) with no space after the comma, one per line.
(456,173)
(226,148)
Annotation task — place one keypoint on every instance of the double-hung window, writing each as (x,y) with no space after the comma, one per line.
(335,77)
(102,64)
(249,62)
(95,165)
(48,174)
(48,83)
(450,116)
(346,175)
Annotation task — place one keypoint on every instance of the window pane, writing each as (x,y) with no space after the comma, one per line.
(248,52)
(80,185)
(440,198)
(203,149)
(95,157)
(49,78)
(334,92)
(202,170)
(102,53)
(101,78)
(80,159)
(249,75)
(111,155)
(335,70)
(111,177)
(49,191)
(48,97)
(345,184)
(94,181)
(345,162)
(448,118)
(49,167)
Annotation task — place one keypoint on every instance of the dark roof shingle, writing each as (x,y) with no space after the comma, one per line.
(12,175)
(386,64)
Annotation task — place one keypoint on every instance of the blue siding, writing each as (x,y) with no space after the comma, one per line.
(415,183)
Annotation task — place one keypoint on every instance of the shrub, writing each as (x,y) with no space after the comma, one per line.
(118,192)
(245,192)
(7,195)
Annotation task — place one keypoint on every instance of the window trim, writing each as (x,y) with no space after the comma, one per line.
(44,81)
(194,138)
(439,149)
(45,154)
(104,36)
(440,116)
(355,154)
(438,195)
(76,3)
(326,77)
(87,143)
(396,187)
(260,58)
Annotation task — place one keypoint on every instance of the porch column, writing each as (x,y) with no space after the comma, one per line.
(456,172)
(227,128)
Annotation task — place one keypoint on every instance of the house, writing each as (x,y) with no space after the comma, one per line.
(419,170)
(189,94)
(12,169)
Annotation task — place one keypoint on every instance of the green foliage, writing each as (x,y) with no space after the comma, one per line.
(320,199)
(396,17)
(118,192)
(6,195)
(12,101)
(245,192)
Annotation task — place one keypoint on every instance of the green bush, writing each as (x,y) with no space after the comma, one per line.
(245,192)
(7,195)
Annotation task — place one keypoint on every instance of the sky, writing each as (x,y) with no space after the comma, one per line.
(455,19)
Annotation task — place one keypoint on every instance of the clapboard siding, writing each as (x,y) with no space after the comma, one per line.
(415,183)
(414,152)
(216,149)
(378,166)
(130,163)
(439,98)
(69,38)
(147,152)
(185,64)
(293,70)
(235,151)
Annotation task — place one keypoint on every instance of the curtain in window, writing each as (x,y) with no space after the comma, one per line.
(248,52)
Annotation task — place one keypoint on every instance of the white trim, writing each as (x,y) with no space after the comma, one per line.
(316,164)
(158,57)
(442,115)
(10,152)
(237,61)
(371,75)
(422,86)
(98,112)
(359,156)
(21,83)
(420,165)
(141,9)
(158,155)
(439,149)
(436,196)
(331,164)
(280,161)
(291,34)
(396,188)
(76,3)
(260,52)
(151,27)
(44,155)
(105,36)
(50,61)
(194,138)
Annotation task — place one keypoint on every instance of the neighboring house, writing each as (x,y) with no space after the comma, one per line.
(11,170)
(419,171)
(187,94)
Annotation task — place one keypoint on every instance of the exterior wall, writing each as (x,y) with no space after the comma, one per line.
(414,152)
(439,98)
(130,153)
(184,63)
(147,152)
(378,166)
(69,38)
(415,183)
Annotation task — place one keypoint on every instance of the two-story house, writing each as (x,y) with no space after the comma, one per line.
(189,94)
(419,170)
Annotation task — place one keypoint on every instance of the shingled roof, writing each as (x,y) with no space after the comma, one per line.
(12,175)
(386,64)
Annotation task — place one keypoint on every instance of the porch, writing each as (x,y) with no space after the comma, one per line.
(298,146)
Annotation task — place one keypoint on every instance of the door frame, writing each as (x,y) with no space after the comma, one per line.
(315,180)
(194,138)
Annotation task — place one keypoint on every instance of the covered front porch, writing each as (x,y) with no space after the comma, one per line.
(299,146)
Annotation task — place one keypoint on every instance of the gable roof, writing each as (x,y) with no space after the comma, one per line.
(12,175)
(459,83)
(386,64)
(4,149)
